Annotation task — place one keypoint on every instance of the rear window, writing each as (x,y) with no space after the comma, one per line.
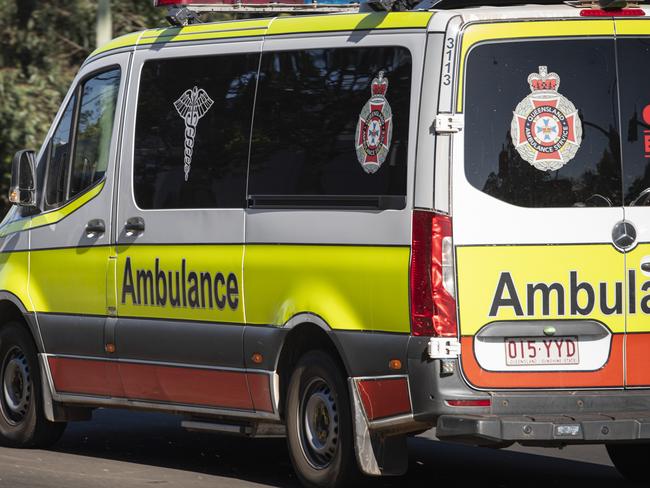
(331,128)
(634,72)
(542,124)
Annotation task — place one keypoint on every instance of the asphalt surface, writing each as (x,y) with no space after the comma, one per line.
(130,449)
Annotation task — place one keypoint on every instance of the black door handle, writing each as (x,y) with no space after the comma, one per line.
(134,226)
(95,227)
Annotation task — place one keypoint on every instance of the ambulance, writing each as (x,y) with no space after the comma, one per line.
(344,228)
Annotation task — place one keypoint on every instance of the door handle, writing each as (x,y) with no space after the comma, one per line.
(134,226)
(95,227)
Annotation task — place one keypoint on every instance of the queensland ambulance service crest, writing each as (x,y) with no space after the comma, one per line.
(375,127)
(545,128)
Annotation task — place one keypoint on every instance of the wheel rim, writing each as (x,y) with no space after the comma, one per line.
(319,424)
(16,386)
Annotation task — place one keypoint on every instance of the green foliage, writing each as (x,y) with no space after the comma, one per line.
(43,45)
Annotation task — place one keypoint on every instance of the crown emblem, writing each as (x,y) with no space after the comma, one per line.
(379,85)
(543,80)
(546,129)
(375,127)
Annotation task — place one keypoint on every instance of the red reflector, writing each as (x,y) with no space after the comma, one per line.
(433,308)
(468,403)
(617,12)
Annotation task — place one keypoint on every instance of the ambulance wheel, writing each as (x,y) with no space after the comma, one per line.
(22,421)
(319,423)
(631,460)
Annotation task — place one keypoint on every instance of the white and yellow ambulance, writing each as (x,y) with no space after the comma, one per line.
(344,228)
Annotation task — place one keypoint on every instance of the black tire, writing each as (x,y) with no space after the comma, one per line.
(328,459)
(631,460)
(22,420)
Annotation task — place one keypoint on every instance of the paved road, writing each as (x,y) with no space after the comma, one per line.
(133,450)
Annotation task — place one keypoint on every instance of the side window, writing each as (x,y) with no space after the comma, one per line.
(542,130)
(94,130)
(59,160)
(331,127)
(78,154)
(192,131)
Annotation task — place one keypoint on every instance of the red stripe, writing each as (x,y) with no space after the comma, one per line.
(169,384)
(259,385)
(385,397)
(637,349)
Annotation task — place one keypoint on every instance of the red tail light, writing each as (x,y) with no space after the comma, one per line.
(433,306)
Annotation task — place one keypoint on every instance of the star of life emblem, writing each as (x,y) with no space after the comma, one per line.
(191,106)
(545,128)
(375,127)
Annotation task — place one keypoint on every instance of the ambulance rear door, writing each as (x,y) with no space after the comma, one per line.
(633,53)
(537,206)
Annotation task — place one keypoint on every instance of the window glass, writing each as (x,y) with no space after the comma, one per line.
(634,71)
(193,130)
(57,178)
(94,130)
(543,137)
(331,123)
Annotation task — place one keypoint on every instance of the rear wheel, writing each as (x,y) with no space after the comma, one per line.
(319,423)
(22,421)
(631,460)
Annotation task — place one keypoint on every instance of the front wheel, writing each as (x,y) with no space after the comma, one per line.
(22,420)
(319,423)
(631,460)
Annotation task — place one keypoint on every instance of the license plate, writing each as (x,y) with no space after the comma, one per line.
(541,351)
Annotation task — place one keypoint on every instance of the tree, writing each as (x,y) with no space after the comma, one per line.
(44,43)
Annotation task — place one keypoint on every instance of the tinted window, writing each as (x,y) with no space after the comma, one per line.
(633,56)
(309,106)
(57,178)
(193,130)
(94,130)
(566,169)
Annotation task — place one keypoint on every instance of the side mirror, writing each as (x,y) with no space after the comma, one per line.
(23,179)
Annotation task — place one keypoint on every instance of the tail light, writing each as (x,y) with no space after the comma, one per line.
(433,303)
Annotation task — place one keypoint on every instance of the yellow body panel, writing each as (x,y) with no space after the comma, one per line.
(349,22)
(481,268)
(14,268)
(350,287)
(477,33)
(271,26)
(629,27)
(127,40)
(70,280)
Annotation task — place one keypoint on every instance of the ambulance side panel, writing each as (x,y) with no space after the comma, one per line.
(343,269)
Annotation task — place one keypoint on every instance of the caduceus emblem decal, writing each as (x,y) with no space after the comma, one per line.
(191,106)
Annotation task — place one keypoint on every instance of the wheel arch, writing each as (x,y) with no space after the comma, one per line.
(12,308)
(306,331)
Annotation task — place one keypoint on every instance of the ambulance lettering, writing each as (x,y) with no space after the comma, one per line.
(179,288)
(579,299)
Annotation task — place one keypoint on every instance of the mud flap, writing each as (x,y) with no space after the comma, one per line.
(377,454)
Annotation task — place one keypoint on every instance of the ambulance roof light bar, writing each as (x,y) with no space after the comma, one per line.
(184,12)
